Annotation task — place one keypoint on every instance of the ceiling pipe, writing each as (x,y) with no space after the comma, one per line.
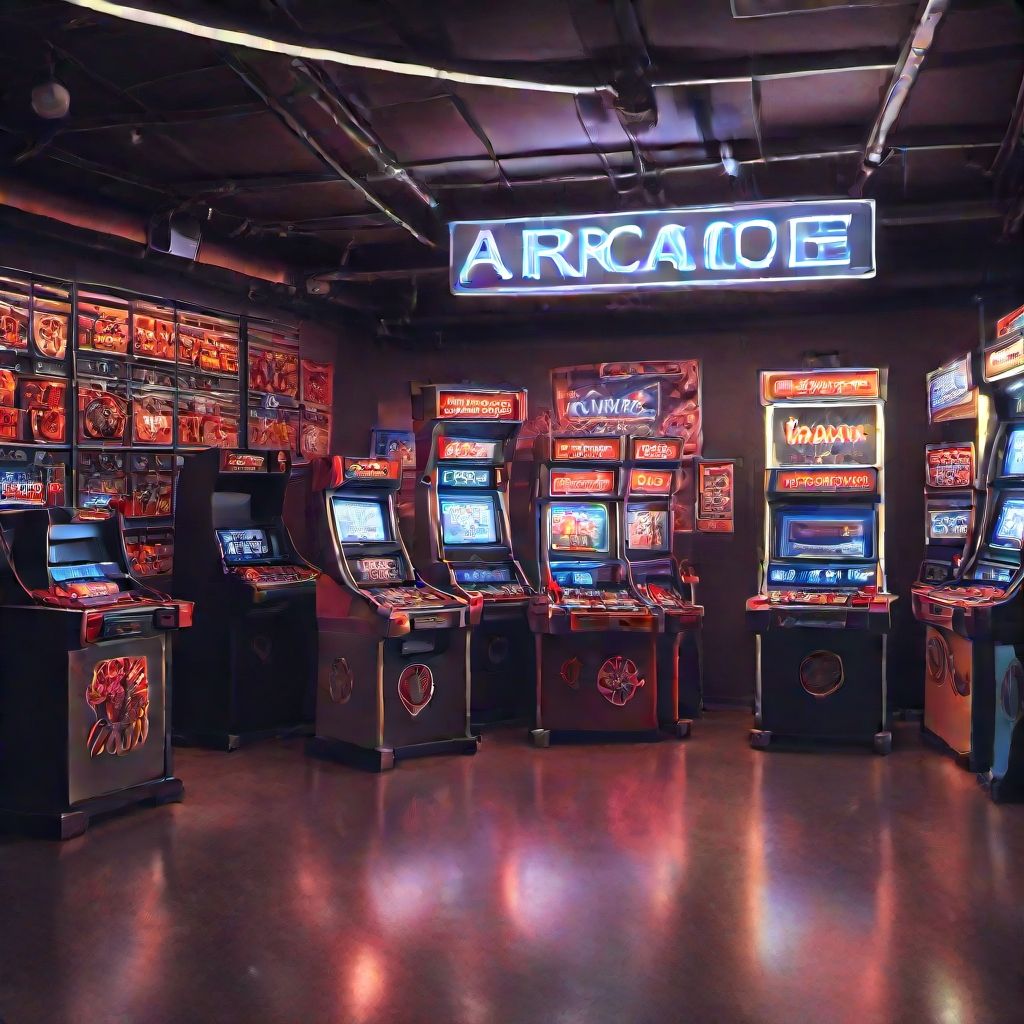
(266,44)
(298,129)
(132,227)
(904,75)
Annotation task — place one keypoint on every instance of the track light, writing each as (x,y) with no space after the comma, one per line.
(51,100)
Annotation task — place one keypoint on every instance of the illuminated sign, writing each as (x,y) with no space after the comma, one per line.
(949,466)
(582,481)
(951,394)
(479,405)
(372,469)
(586,449)
(1006,360)
(824,435)
(657,449)
(613,402)
(651,481)
(242,462)
(715,501)
(1010,322)
(378,570)
(457,448)
(712,245)
(465,478)
(799,481)
(806,385)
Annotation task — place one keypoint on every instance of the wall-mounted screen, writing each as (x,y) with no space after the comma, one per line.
(1009,531)
(578,526)
(948,523)
(359,522)
(468,521)
(244,545)
(647,529)
(1013,460)
(826,535)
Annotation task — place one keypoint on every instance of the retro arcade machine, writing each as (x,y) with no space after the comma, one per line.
(393,672)
(466,440)
(652,482)
(822,615)
(595,635)
(950,501)
(85,678)
(247,670)
(983,605)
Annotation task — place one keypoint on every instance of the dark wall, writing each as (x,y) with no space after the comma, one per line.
(373,387)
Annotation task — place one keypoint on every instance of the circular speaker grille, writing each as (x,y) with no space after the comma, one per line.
(821,673)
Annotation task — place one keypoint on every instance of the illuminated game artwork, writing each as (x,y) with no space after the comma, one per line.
(244,545)
(578,527)
(647,529)
(468,521)
(1009,530)
(1013,461)
(641,397)
(948,524)
(826,535)
(823,435)
(118,694)
(359,522)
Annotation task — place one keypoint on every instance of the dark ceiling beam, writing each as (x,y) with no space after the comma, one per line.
(257,183)
(915,50)
(168,119)
(1012,139)
(291,122)
(357,131)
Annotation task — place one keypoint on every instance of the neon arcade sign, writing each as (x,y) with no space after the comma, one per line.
(746,243)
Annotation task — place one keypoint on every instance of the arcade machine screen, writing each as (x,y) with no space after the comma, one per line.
(22,487)
(359,522)
(1013,461)
(827,535)
(578,528)
(1009,530)
(647,529)
(241,546)
(468,521)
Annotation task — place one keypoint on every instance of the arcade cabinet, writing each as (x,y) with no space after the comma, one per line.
(85,677)
(466,439)
(247,669)
(822,615)
(393,670)
(950,499)
(653,480)
(597,665)
(984,605)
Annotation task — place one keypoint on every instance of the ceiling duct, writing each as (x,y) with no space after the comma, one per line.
(771,8)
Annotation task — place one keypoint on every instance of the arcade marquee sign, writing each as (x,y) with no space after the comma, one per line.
(747,243)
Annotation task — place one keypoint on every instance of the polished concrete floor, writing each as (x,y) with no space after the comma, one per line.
(678,882)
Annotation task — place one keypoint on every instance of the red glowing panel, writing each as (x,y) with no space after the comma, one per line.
(587,449)
(651,481)
(479,405)
(372,469)
(1006,360)
(785,385)
(800,481)
(242,462)
(661,449)
(461,448)
(582,481)
(119,697)
(949,465)
(1010,322)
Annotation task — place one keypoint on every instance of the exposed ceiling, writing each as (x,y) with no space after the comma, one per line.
(355,171)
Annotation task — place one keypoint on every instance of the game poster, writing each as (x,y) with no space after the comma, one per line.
(641,397)
(394,444)
(716,497)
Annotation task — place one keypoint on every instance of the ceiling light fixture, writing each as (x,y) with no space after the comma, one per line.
(233,37)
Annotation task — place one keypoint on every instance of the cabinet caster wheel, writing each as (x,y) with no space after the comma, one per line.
(681,730)
(883,743)
(760,738)
(540,737)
